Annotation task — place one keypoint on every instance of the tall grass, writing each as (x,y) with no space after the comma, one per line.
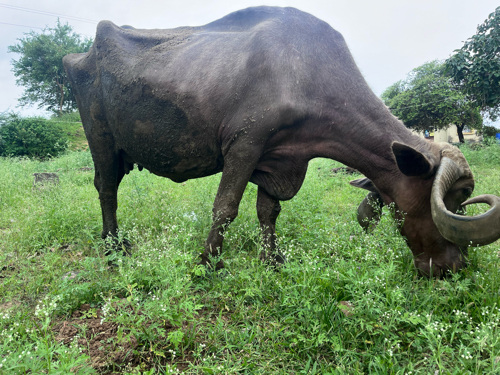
(346,302)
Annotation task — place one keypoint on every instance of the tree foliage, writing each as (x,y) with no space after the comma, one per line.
(30,136)
(427,100)
(40,69)
(475,68)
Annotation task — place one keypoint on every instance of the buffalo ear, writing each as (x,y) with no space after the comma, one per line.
(364,183)
(412,162)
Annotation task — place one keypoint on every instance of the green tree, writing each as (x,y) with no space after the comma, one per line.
(427,100)
(475,68)
(40,69)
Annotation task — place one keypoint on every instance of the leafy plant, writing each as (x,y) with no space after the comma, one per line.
(30,136)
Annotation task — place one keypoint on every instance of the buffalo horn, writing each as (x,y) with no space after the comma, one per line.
(477,230)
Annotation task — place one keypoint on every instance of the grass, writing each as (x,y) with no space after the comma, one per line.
(73,129)
(345,303)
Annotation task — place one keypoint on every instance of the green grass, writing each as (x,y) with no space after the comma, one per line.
(246,319)
(73,130)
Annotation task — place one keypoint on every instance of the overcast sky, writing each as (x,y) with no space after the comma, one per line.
(388,38)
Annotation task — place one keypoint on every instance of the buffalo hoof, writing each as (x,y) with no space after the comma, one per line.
(274,259)
(210,265)
(115,246)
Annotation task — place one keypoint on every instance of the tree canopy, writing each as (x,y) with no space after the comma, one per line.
(475,68)
(428,100)
(40,70)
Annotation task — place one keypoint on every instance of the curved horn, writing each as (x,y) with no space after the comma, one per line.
(477,230)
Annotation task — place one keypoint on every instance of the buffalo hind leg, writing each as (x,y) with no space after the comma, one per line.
(268,209)
(238,168)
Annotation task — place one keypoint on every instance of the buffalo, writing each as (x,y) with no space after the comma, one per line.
(256,95)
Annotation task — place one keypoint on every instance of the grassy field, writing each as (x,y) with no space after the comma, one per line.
(345,303)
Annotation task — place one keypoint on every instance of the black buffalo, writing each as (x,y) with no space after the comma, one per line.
(256,95)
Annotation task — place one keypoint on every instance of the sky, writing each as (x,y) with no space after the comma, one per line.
(388,38)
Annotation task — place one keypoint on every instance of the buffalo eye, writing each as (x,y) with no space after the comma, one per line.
(467,192)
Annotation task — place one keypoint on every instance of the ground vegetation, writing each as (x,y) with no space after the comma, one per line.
(346,302)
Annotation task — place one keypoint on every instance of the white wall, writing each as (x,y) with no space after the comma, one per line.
(451,135)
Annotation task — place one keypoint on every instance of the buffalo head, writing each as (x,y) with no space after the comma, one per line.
(432,193)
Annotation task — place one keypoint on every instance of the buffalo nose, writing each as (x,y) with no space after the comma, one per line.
(432,269)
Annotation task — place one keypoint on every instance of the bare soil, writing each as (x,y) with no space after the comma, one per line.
(110,351)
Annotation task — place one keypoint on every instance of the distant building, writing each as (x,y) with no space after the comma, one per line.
(450,135)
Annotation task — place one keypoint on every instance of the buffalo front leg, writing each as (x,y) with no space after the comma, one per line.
(235,176)
(268,209)
(106,181)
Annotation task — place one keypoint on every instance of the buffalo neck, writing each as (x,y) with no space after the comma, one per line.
(361,138)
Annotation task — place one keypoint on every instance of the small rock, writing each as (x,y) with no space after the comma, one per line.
(45,179)
(70,275)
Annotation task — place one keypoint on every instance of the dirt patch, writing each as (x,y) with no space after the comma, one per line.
(345,170)
(346,307)
(97,339)
(4,307)
(111,347)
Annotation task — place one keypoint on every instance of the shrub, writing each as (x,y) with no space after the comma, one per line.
(30,136)
(490,131)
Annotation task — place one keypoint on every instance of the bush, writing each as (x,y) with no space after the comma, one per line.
(489,131)
(30,136)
